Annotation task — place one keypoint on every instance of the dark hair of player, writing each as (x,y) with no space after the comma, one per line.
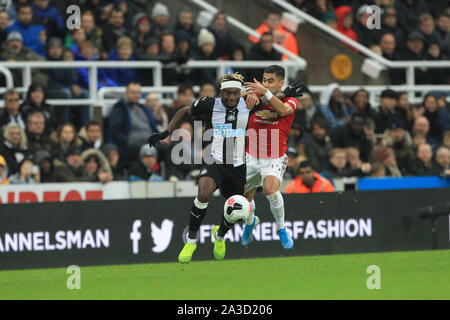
(277,70)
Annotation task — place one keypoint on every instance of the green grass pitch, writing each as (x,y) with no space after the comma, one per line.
(403,275)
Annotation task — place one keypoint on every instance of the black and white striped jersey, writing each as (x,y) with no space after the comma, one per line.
(227,126)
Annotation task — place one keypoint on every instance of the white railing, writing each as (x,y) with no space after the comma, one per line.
(93,66)
(410,66)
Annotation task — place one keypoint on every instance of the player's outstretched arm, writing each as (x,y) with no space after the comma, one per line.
(173,124)
(281,108)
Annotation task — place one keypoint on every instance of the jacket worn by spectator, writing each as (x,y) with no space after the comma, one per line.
(119,77)
(318,152)
(320,185)
(31,36)
(13,155)
(38,142)
(344,137)
(120,124)
(65,173)
(51,20)
(418,168)
(139,172)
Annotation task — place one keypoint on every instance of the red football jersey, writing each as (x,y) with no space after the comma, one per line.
(268,132)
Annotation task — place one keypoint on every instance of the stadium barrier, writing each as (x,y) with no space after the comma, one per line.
(153,230)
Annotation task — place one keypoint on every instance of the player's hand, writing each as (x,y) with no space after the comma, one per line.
(157,137)
(252,100)
(255,87)
(293,90)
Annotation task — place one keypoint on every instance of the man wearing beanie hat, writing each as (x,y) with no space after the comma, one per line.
(160,18)
(147,168)
(388,102)
(206,43)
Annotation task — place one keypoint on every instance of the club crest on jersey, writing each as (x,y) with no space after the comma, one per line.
(266,114)
(231,116)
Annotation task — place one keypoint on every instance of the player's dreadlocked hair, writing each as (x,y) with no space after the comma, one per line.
(232,77)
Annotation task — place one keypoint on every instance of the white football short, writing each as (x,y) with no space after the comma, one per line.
(258,169)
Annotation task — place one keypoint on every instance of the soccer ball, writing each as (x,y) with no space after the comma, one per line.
(236,208)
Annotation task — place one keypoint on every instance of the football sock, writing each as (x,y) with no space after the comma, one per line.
(277,208)
(225,226)
(196,217)
(250,218)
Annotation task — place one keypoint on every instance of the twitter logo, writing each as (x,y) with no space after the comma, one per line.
(161,236)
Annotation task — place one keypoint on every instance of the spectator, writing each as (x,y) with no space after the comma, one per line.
(360,100)
(14,147)
(141,30)
(92,31)
(120,77)
(414,51)
(63,83)
(28,173)
(150,51)
(77,37)
(34,36)
(3,171)
(365,35)
(281,36)
(403,107)
(352,135)
(333,106)
(15,51)
(50,18)
(111,153)
(443,160)
(309,181)
(388,103)
(238,53)
(136,7)
(317,8)
(424,165)
(97,165)
(427,28)
(224,39)
(4,24)
(131,123)
(73,169)
(263,50)
(44,162)
(306,110)
(206,52)
(296,139)
(408,12)
(114,30)
(183,149)
(185,22)
(92,133)
(436,117)
(152,101)
(378,170)
(292,164)
(388,45)
(446,139)
(160,19)
(418,138)
(185,97)
(330,19)
(12,112)
(147,168)
(36,136)
(36,101)
(422,125)
(345,22)
(170,57)
(355,164)
(386,156)
(64,138)
(389,26)
(318,144)
(208,89)
(436,75)
(101,10)
(399,140)
(443,28)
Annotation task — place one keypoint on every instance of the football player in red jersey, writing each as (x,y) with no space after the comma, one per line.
(268,130)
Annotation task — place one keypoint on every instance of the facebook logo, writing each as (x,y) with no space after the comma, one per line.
(135,235)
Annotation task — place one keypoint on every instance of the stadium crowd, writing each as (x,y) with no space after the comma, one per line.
(340,136)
